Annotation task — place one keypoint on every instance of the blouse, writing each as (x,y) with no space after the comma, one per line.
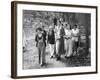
(68,34)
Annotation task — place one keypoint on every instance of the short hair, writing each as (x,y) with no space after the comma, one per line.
(75,25)
(38,29)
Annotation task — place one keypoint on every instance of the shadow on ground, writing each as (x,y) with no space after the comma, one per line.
(30,59)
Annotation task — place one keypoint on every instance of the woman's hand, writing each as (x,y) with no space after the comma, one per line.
(65,36)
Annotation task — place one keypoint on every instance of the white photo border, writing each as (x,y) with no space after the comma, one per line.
(50,71)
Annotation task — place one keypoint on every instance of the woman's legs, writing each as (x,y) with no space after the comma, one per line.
(66,46)
(41,51)
(51,49)
(43,55)
(57,49)
(39,55)
(75,47)
(69,48)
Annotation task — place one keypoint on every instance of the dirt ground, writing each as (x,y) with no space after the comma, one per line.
(30,58)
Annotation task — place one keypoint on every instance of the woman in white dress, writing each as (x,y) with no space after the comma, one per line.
(68,41)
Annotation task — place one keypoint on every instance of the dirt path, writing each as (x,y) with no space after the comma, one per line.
(30,60)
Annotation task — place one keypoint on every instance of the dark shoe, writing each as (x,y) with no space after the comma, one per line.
(68,57)
(41,64)
(58,58)
(51,57)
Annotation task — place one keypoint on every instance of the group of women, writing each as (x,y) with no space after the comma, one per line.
(57,35)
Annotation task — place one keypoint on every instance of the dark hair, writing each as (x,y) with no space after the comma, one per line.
(66,24)
(40,29)
(75,25)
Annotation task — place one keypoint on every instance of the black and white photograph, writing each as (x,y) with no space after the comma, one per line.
(56,39)
(53,39)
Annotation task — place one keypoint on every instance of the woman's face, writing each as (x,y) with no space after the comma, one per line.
(66,26)
(39,32)
(75,27)
(50,31)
